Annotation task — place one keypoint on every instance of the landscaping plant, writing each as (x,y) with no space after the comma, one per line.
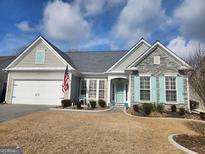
(173,108)
(181,111)
(160,108)
(102,103)
(147,108)
(135,108)
(65,103)
(79,105)
(93,104)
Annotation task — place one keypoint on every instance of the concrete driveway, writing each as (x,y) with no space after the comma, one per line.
(11,111)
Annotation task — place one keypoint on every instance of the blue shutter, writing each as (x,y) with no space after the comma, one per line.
(162,96)
(40,57)
(136,89)
(153,89)
(180,89)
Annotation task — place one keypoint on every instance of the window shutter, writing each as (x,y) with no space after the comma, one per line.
(153,89)
(162,97)
(136,88)
(180,89)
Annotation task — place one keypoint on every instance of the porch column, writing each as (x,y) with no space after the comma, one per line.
(129,90)
(108,91)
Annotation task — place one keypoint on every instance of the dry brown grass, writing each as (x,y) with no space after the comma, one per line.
(67,132)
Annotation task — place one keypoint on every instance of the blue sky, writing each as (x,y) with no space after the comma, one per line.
(103,24)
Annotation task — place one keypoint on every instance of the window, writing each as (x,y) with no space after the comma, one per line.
(145,88)
(40,57)
(171,93)
(156,59)
(101,89)
(92,88)
(83,87)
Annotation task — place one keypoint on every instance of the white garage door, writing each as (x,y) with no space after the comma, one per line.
(37,92)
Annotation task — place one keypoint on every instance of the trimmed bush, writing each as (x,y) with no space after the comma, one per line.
(135,108)
(160,108)
(79,105)
(147,108)
(93,104)
(65,103)
(181,111)
(102,103)
(173,108)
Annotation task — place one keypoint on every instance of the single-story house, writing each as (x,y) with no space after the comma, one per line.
(145,73)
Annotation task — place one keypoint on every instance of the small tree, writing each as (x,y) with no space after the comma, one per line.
(196,76)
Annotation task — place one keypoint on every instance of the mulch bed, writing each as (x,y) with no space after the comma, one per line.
(83,108)
(164,114)
(193,142)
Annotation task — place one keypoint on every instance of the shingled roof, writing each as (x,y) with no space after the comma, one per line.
(94,61)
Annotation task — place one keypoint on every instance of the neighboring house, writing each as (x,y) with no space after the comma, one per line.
(4,62)
(145,73)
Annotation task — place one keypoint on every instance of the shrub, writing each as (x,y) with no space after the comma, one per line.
(65,103)
(181,111)
(147,108)
(102,103)
(93,104)
(202,116)
(79,105)
(154,107)
(160,108)
(135,108)
(173,108)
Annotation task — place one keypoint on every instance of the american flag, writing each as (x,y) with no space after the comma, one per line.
(65,85)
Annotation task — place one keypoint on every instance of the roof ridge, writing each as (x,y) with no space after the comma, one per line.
(96,51)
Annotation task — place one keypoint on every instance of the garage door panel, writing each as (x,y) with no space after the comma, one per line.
(37,92)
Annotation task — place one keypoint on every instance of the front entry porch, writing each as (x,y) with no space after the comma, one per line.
(119,91)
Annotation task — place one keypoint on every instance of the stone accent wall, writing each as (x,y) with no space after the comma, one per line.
(167,65)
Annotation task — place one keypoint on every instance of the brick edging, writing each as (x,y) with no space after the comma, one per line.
(178,146)
(77,110)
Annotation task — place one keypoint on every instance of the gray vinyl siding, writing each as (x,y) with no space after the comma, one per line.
(167,65)
(28,60)
(131,58)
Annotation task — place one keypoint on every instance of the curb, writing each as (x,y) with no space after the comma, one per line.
(178,146)
(162,118)
(77,110)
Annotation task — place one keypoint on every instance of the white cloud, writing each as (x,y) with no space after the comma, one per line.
(24,26)
(139,19)
(63,21)
(184,48)
(95,7)
(190,15)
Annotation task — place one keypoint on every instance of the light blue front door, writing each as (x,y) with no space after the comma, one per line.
(119,92)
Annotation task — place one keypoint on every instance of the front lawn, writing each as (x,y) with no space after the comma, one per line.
(69,132)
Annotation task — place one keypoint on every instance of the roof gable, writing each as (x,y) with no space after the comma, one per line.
(134,49)
(51,47)
(165,49)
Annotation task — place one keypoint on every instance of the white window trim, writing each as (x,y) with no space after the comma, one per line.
(97,88)
(157,60)
(101,89)
(40,51)
(146,101)
(171,102)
